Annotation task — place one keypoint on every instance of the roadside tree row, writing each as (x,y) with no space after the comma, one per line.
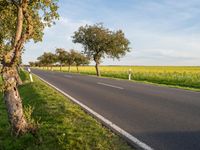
(61,57)
(98,43)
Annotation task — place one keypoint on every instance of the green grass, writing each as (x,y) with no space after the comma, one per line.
(182,76)
(62,124)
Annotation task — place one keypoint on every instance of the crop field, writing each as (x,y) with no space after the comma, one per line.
(169,75)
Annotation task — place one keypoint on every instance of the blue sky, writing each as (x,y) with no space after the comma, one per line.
(161,32)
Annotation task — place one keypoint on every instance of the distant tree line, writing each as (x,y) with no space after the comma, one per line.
(61,57)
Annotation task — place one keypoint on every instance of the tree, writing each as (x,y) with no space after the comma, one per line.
(20,21)
(47,59)
(42,60)
(80,59)
(70,58)
(32,64)
(38,64)
(50,59)
(99,42)
(61,56)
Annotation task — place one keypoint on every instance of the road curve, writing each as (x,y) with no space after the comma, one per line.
(163,118)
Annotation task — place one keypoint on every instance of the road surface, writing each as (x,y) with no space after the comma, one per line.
(163,118)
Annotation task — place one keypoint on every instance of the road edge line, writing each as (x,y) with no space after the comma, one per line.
(128,137)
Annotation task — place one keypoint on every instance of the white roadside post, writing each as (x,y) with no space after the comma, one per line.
(129,74)
(30,75)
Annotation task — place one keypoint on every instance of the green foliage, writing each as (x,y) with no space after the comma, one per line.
(70,57)
(81,59)
(32,64)
(41,13)
(61,55)
(35,64)
(7,25)
(47,58)
(28,111)
(99,42)
(75,57)
(63,124)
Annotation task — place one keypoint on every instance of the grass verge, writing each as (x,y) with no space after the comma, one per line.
(62,124)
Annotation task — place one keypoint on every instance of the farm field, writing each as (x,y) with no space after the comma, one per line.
(184,76)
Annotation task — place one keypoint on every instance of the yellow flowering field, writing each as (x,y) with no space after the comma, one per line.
(186,76)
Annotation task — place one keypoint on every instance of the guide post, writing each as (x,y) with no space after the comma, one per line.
(30,75)
(129,74)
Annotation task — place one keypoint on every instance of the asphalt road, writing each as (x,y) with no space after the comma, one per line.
(163,118)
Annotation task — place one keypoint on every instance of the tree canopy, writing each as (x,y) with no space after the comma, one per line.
(63,57)
(23,20)
(47,58)
(99,42)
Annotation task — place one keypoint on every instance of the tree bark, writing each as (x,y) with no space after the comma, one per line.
(13,101)
(97,69)
(69,68)
(10,75)
(20,18)
(18,79)
(11,80)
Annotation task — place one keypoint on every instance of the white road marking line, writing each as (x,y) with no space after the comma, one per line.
(68,76)
(117,87)
(131,139)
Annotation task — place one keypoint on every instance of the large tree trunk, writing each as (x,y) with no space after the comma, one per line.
(97,69)
(13,102)
(10,75)
(69,68)
(11,79)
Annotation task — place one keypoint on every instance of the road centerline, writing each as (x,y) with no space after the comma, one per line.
(109,85)
(68,76)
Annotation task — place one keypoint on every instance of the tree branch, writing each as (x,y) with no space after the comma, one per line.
(19,27)
(26,35)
